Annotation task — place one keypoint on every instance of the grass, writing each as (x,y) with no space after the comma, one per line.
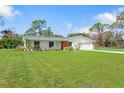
(60,69)
(112,49)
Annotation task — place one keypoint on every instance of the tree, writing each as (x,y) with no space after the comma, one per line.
(48,32)
(78,34)
(119,40)
(30,32)
(108,39)
(38,25)
(118,30)
(99,28)
(118,25)
(7,33)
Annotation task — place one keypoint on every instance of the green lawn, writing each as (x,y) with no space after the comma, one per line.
(61,69)
(111,49)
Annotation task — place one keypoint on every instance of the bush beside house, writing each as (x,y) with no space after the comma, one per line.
(10,42)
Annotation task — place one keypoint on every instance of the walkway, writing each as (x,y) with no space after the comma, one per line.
(115,52)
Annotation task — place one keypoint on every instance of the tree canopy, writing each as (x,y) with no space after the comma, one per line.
(110,35)
(48,32)
(99,28)
(39,27)
(78,34)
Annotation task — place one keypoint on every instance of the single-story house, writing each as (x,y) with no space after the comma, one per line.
(59,43)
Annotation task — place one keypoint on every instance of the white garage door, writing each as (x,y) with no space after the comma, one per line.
(86,46)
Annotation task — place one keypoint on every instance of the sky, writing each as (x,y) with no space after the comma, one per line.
(62,19)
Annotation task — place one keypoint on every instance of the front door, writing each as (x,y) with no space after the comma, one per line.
(37,45)
(64,44)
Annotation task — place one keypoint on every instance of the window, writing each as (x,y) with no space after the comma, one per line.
(36,45)
(51,44)
(69,44)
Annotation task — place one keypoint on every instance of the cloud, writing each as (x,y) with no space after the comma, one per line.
(68,25)
(84,29)
(8,11)
(106,17)
(121,9)
(75,29)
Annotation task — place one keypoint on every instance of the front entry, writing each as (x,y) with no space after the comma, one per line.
(64,44)
(37,45)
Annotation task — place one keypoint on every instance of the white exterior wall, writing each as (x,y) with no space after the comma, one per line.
(88,46)
(44,45)
(82,43)
(58,45)
(44,42)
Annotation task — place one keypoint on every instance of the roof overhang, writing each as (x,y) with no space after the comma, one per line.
(38,38)
(77,37)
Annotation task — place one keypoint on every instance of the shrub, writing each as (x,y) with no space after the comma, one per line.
(68,48)
(10,42)
(20,48)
